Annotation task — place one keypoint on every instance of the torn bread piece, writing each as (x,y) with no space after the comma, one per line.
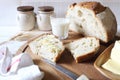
(83,48)
(47,46)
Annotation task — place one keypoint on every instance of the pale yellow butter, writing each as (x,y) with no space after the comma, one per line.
(115,53)
(113,64)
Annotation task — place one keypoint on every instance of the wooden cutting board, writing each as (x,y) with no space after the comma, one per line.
(69,63)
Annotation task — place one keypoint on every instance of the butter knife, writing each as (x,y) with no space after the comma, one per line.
(63,70)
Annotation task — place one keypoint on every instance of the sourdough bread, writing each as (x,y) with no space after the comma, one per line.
(83,48)
(47,46)
(92,19)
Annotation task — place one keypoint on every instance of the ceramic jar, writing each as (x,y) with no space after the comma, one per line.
(43,17)
(26,17)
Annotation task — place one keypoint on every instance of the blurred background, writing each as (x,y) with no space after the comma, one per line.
(8,13)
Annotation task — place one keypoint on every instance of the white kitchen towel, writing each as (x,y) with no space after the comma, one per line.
(13,46)
(5,59)
(27,73)
(20,67)
(20,61)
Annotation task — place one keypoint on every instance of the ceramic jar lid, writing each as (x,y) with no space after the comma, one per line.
(46,8)
(25,8)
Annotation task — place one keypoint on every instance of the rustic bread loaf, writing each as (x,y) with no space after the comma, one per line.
(83,48)
(92,19)
(47,46)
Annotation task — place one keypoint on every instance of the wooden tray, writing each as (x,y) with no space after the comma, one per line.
(101,60)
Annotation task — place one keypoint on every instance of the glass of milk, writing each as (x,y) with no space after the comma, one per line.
(60,27)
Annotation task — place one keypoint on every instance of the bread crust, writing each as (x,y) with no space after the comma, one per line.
(95,6)
(110,27)
(85,56)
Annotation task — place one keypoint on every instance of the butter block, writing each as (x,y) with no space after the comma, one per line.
(112,66)
(115,53)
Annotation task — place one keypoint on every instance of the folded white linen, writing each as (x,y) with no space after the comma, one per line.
(13,46)
(20,67)
(5,59)
(27,73)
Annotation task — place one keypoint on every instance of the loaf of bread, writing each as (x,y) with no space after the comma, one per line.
(47,46)
(83,48)
(92,19)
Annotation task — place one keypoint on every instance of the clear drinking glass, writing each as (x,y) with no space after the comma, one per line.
(60,27)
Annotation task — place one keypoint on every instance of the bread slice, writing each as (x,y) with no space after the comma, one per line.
(83,48)
(47,46)
(92,19)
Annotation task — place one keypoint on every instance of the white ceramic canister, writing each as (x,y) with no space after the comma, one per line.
(43,17)
(26,17)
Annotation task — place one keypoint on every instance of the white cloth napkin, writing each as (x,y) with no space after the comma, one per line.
(20,67)
(13,46)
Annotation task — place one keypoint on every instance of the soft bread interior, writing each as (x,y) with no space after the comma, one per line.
(83,46)
(47,46)
(86,22)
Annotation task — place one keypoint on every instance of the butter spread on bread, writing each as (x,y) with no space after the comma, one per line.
(113,64)
(92,19)
(83,48)
(47,46)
